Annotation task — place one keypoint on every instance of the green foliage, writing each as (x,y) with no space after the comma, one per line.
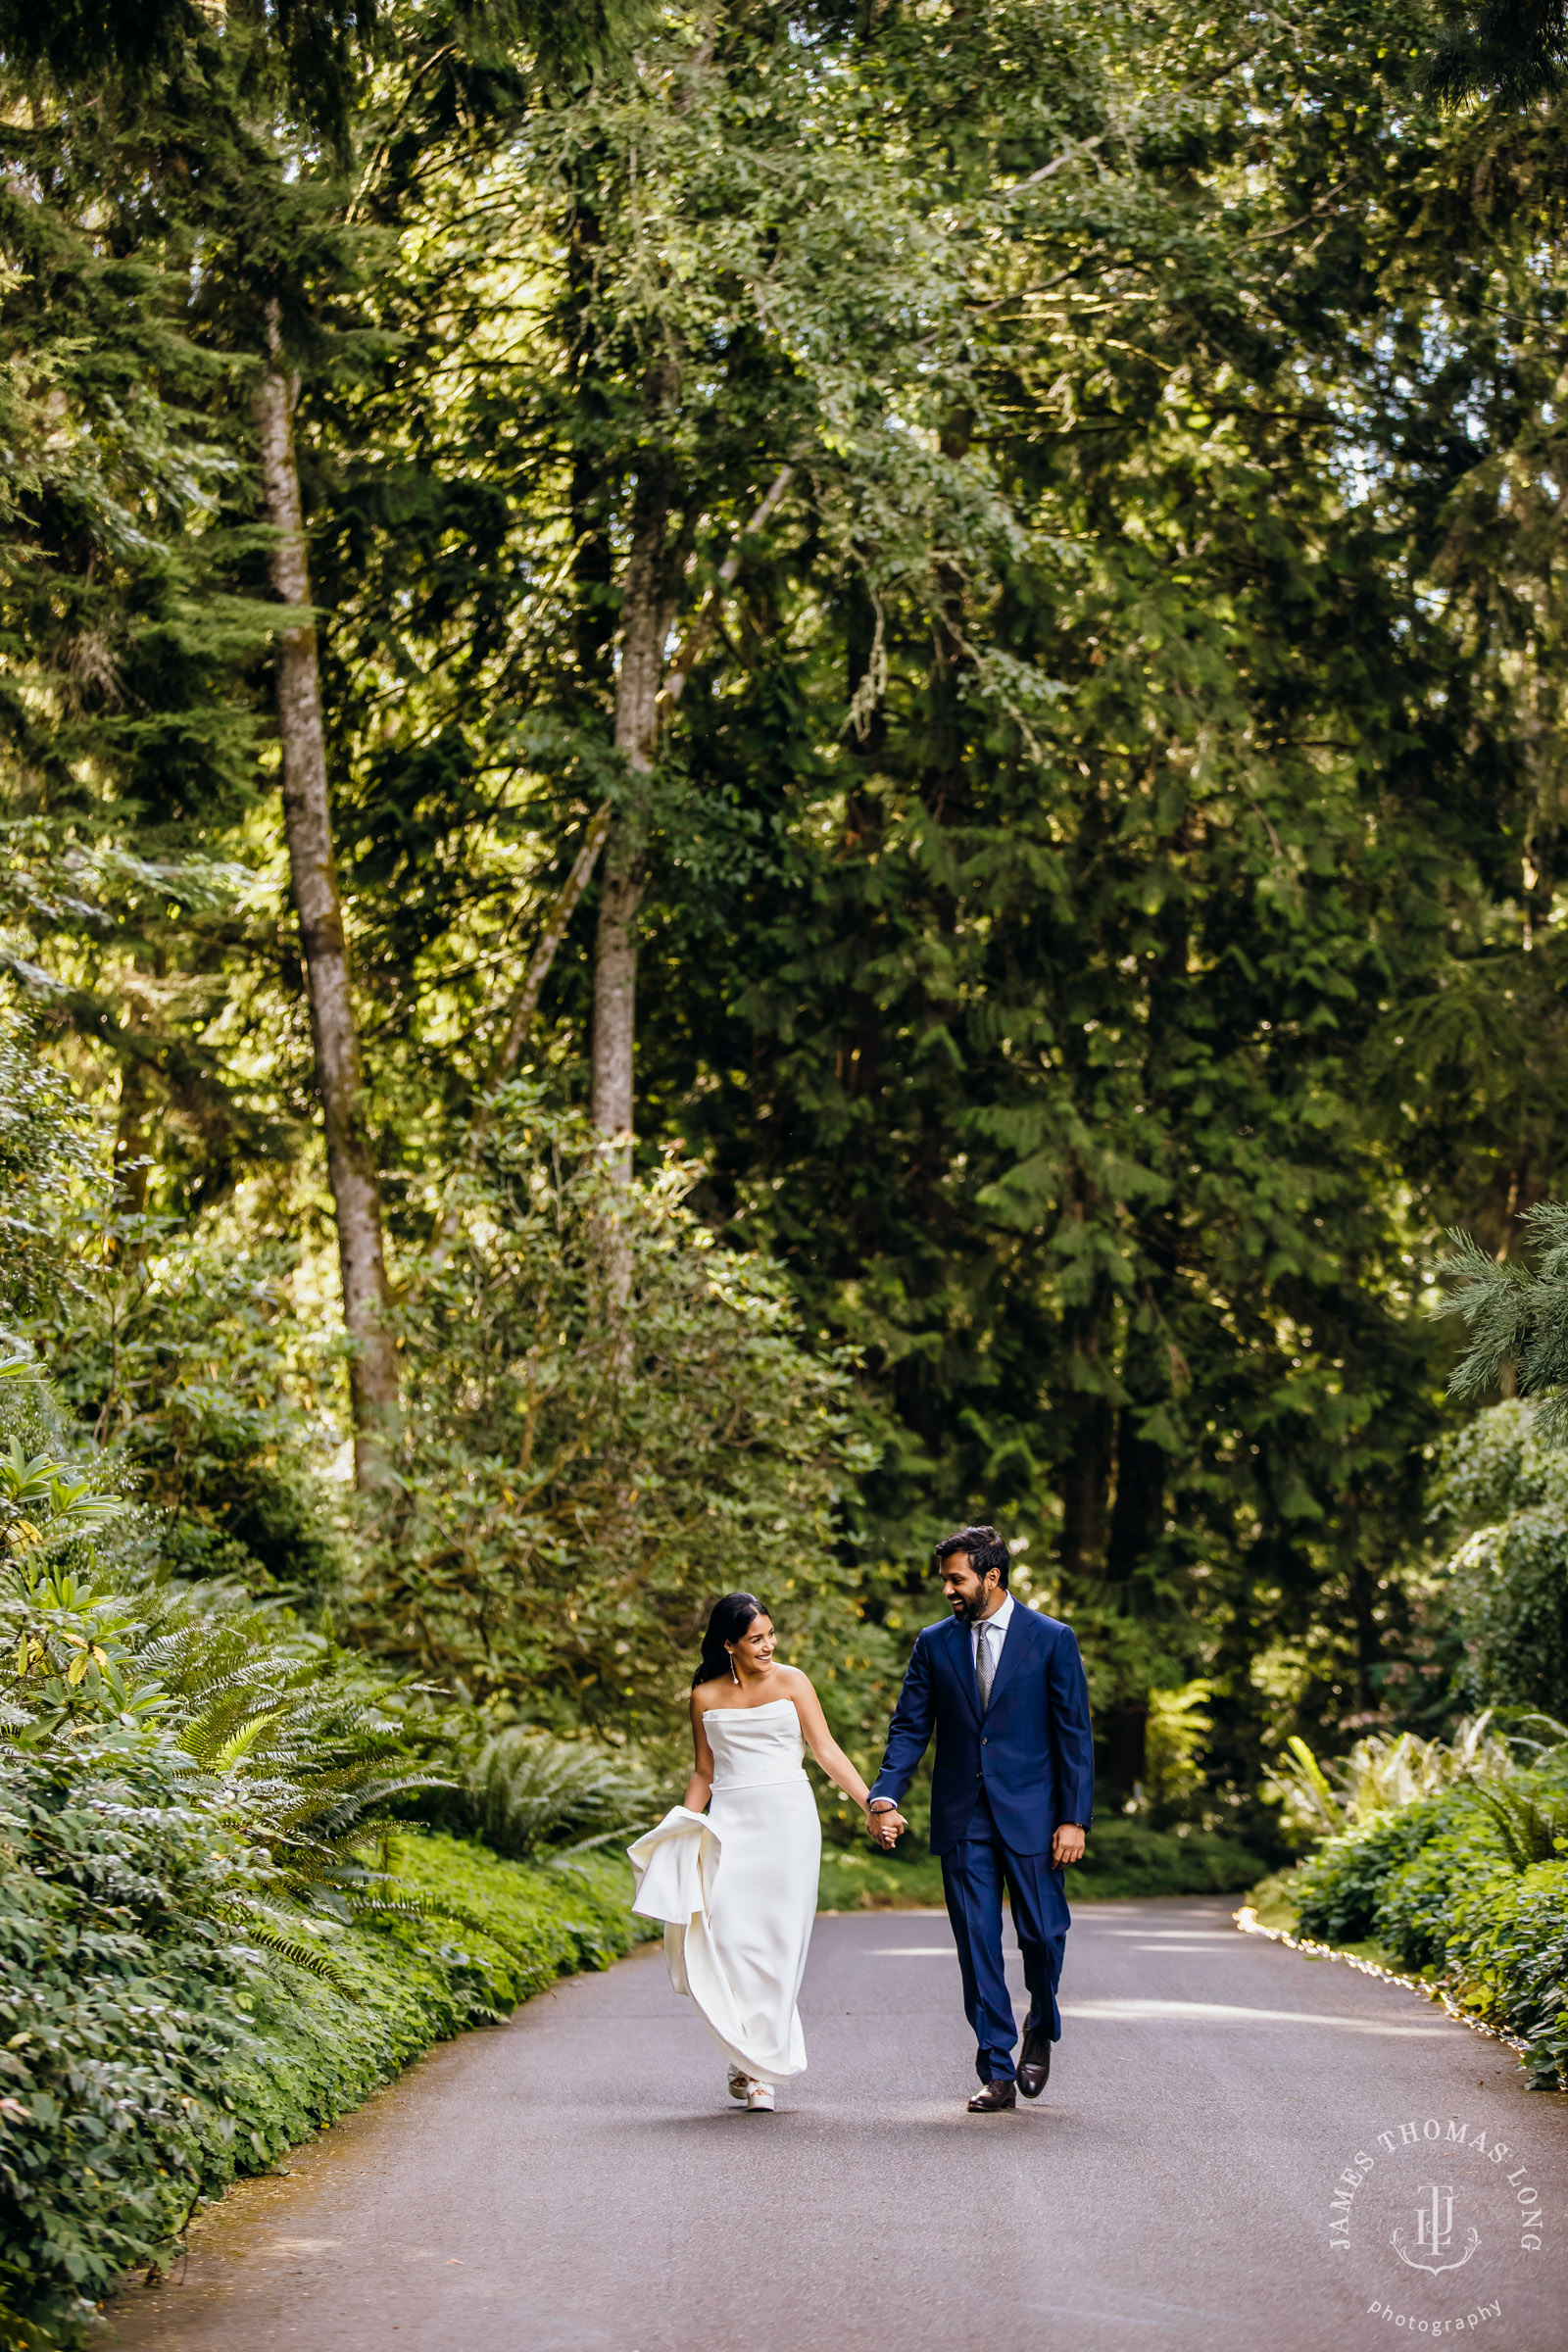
(45,1156)
(208,1943)
(183,1353)
(1174,1741)
(1129,1858)
(1503,1488)
(610,1419)
(1471,1888)
(570,1916)
(1078,866)
(1338,1894)
(1517,1318)
(118,2007)
(1382,1774)
(307,1742)
(1098,873)
(1511,50)
(1510,1582)
(1125,1860)
(1528,1834)
(161,2036)
(533,1797)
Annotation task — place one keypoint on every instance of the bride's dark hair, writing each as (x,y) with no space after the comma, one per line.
(729,1620)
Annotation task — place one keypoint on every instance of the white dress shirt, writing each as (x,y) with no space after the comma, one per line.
(994,1630)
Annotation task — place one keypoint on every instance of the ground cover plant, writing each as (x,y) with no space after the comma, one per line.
(1449,1862)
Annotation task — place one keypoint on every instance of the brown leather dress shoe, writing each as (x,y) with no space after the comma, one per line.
(994,2098)
(1034,2064)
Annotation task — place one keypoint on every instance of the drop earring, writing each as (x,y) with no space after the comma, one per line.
(734,1675)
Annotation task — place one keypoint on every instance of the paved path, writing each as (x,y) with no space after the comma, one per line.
(576,2182)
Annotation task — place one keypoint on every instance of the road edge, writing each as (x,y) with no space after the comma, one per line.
(1247,1921)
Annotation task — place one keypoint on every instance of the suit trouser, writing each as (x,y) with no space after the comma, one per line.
(973,1875)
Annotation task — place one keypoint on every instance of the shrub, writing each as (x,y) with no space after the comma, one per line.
(1511,1587)
(155,2045)
(119,1959)
(1340,1892)
(46,1155)
(1381,1773)
(1128,1857)
(184,1359)
(203,1956)
(610,1420)
(1451,1885)
(1174,1739)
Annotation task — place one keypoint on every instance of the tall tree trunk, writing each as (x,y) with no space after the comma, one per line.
(308,820)
(644,625)
(615,998)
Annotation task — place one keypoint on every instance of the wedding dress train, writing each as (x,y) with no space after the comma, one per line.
(736,1887)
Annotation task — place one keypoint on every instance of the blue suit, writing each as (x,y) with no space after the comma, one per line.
(1001,1783)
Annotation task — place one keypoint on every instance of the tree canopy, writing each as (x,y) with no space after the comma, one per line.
(947,617)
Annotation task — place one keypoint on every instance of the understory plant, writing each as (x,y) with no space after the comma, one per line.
(1385,1771)
(537,1798)
(1466,1883)
(214,1934)
(611,1420)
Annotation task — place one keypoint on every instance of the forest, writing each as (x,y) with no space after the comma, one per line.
(769,776)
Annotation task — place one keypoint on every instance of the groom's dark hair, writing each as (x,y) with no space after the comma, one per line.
(985,1549)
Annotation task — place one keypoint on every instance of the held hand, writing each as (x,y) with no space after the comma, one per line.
(887,1825)
(1068,1845)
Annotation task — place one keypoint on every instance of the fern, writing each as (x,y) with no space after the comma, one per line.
(530,1794)
(298,1955)
(1527,1833)
(1380,1775)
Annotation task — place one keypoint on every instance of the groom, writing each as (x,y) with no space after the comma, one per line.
(1004,1690)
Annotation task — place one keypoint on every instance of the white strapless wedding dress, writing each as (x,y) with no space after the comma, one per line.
(736,1887)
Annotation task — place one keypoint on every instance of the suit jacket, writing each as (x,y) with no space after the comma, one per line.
(1031,1751)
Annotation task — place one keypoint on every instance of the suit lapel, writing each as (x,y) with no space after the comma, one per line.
(1012,1649)
(963,1664)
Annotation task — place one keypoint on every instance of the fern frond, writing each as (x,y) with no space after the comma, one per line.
(1527,1833)
(419,1907)
(298,1955)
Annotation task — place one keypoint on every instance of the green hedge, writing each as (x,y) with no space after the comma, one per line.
(156,2038)
(317,2049)
(1124,1859)
(1441,1890)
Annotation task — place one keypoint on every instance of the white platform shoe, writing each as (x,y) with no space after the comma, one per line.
(757,2098)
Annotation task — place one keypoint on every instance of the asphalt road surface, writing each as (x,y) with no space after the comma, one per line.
(577,2180)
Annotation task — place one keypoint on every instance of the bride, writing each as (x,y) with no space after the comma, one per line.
(736,1884)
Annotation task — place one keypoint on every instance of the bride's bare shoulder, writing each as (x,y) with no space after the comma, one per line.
(706,1694)
(796,1684)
